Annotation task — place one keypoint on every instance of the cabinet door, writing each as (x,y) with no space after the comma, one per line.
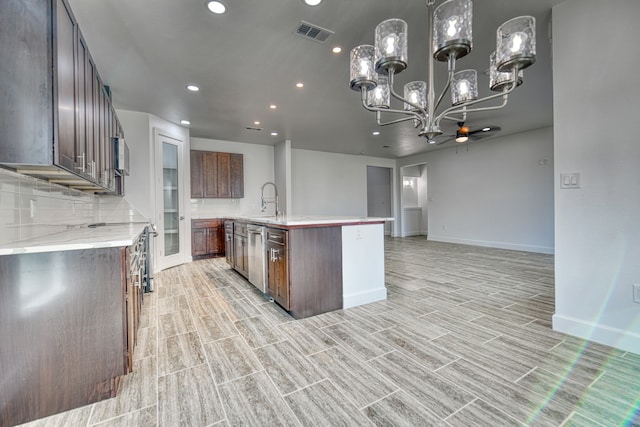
(272,270)
(81,90)
(237,176)
(199,241)
(224,175)
(197,174)
(282,288)
(212,241)
(90,156)
(65,55)
(210,164)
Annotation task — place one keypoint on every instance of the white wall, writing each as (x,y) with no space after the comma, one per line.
(499,193)
(331,184)
(596,94)
(258,169)
(138,131)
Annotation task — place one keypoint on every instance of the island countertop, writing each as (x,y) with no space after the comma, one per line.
(294,221)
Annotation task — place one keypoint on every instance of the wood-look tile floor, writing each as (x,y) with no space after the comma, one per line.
(463,339)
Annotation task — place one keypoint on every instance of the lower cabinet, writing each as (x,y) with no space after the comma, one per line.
(207,238)
(67,334)
(240,249)
(277,267)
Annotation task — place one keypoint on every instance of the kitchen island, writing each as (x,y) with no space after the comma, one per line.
(69,309)
(317,264)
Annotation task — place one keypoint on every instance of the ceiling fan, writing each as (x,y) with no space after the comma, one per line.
(464,133)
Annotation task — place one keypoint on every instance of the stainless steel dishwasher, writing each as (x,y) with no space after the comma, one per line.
(257,264)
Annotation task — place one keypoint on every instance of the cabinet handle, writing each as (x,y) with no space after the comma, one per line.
(81,168)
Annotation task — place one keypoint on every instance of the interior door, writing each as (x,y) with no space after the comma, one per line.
(170,211)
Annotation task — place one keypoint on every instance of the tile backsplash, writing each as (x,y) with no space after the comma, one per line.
(30,207)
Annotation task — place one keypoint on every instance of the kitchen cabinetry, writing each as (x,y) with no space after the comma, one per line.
(228,242)
(240,248)
(216,175)
(67,334)
(207,238)
(56,118)
(277,267)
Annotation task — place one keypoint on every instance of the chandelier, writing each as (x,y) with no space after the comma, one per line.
(373,68)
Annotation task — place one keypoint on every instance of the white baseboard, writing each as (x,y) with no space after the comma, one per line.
(366,297)
(614,337)
(490,244)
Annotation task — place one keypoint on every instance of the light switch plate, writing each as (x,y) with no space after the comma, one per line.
(570,180)
(636,293)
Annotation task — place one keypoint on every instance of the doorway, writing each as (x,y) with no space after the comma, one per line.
(414,200)
(379,184)
(170,189)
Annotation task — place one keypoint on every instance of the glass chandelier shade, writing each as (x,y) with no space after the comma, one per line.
(380,97)
(391,46)
(499,81)
(415,92)
(362,72)
(516,44)
(452,31)
(464,87)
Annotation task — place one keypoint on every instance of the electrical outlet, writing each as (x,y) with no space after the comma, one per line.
(636,293)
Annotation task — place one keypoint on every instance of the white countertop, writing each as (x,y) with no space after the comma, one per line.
(309,220)
(75,238)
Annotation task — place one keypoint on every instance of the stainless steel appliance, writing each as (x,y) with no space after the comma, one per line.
(257,264)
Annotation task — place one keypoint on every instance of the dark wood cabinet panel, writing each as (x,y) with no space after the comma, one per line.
(197,174)
(216,175)
(65,72)
(224,175)
(62,331)
(210,179)
(207,238)
(237,176)
(278,267)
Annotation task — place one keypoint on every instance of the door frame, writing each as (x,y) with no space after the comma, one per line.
(184,254)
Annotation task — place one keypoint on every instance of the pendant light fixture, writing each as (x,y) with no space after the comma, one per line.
(373,68)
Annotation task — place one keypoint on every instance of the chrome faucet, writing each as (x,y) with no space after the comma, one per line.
(273,200)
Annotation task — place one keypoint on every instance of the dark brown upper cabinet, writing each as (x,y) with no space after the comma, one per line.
(56,117)
(216,175)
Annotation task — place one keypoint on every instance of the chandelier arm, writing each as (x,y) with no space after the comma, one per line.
(413,114)
(404,119)
(455,109)
(494,107)
(422,117)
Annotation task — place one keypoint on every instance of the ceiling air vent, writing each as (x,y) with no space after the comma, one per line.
(313,32)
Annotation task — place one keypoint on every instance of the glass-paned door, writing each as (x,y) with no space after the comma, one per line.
(172,246)
(171,197)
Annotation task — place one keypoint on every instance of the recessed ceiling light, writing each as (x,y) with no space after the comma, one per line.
(216,6)
(274,133)
(256,122)
(185,122)
(336,49)
(273,106)
(375,132)
(299,84)
(193,88)
(312,2)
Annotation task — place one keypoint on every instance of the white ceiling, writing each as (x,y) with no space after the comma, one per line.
(147,51)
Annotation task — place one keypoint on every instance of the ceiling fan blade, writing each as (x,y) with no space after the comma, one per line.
(482,133)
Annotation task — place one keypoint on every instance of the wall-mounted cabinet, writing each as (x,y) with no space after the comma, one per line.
(216,175)
(56,117)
